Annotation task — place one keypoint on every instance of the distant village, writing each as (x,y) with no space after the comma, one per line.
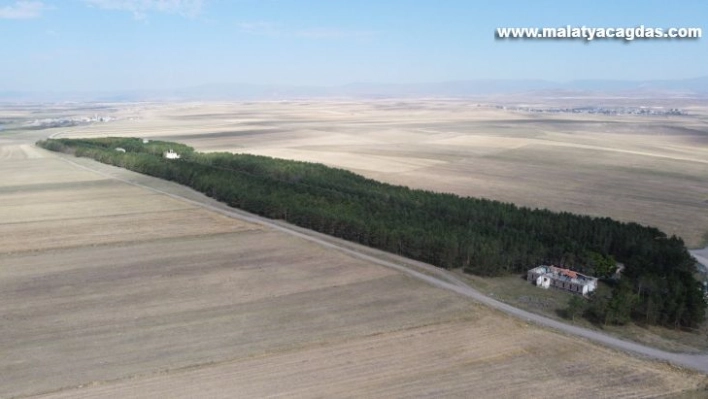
(67,121)
(601,110)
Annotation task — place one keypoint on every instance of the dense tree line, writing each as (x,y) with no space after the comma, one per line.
(481,236)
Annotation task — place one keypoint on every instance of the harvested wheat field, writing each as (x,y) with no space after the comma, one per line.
(454,359)
(648,169)
(112,290)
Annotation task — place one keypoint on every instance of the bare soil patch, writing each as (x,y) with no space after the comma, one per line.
(485,358)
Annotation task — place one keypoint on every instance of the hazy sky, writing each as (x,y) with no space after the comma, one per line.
(128,44)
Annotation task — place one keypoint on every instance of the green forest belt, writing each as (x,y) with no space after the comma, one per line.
(484,237)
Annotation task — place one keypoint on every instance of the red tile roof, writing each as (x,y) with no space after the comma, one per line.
(565,272)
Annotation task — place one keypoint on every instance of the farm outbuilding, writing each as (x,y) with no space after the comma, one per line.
(551,276)
(169,154)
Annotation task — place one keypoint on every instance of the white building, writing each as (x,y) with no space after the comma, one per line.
(565,279)
(169,154)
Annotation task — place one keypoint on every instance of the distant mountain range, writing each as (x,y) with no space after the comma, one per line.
(696,87)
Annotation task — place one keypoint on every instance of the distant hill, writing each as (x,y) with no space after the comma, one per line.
(696,87)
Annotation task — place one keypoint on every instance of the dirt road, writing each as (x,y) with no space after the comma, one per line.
(701,256)
(427,273)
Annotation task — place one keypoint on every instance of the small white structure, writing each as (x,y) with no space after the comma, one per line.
(169,154)
(551,276)
(145,141)
(543,282)
(120,149)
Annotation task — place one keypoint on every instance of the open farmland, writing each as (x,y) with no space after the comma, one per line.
(648,169)
(111,290)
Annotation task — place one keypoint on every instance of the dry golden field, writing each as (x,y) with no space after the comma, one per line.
(111,290)
(648,169)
